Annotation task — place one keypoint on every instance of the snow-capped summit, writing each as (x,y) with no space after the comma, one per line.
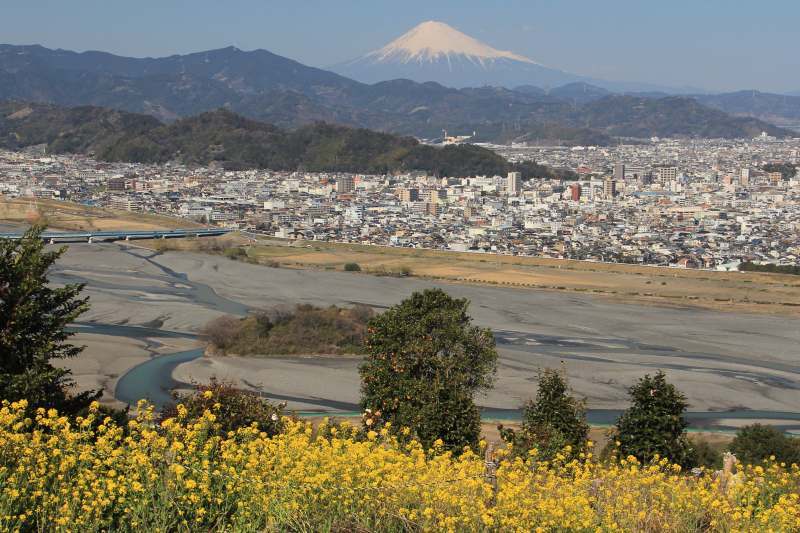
(435,51)
(432,41)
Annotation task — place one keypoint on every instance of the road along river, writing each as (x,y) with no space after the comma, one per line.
(731,366)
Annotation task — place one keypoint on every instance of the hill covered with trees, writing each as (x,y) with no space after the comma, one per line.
(674,116)
(224,138)
(264,86)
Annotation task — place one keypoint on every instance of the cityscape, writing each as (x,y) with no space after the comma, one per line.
(700,203)
(402,267)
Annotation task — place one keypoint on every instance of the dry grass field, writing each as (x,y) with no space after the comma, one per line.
(69,216)
(726,291)
(743,292)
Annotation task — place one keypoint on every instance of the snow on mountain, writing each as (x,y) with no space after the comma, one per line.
(435,51)
(433,41)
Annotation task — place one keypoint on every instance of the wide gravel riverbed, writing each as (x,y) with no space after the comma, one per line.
(722,361)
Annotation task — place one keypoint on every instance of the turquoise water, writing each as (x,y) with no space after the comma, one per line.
(153,381)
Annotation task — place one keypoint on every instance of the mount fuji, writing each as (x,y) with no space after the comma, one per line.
(435,51)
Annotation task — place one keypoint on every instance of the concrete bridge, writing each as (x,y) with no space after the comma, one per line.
(54,237)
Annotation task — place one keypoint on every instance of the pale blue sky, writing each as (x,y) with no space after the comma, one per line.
(714,44)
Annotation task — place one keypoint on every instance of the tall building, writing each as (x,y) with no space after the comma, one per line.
(575,192)
(609,188)
(409,195)
(433,196)
(744,177)
(619,171)
(638,174)
(127,203)
(774,178)
(433,209)
(345,184)
(514,183)
(116,185)
(666,174)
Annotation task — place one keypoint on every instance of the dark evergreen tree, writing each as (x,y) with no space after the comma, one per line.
(755,443)
(33,320)
(424,365)
(554,420)
(654,423)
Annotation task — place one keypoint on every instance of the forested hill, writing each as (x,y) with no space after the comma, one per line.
(234,142)
(673,116)
(267,87)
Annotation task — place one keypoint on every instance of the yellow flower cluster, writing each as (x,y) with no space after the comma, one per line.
(180,475)
(625,495)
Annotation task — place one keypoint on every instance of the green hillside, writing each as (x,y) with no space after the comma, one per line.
(226,139)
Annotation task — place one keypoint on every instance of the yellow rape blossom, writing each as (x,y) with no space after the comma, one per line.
(58,475)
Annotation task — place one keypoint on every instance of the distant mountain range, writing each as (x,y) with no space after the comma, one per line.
(779,109)
(233,142)
(274,89)
(435,51)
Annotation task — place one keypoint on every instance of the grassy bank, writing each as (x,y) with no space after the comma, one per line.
(70,216)
(748,292)
(752,292)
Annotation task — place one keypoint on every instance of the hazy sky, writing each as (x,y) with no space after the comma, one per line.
(713,44)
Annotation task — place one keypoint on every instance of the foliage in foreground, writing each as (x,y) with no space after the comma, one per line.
(553,420)
(425,362)
(33,320)
(654,424)
(234,408)
(757,442)
(182,475)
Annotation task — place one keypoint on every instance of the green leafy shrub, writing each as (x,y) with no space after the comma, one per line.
(33,321)
(352,267)
(706,454)
(425,362)
(755,443)
(654,423)
(770,268)
(234,408)
(552,421)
